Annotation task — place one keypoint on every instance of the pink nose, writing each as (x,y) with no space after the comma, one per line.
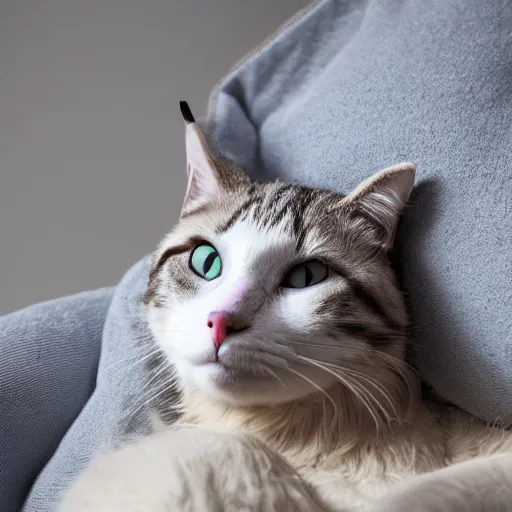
(220,324)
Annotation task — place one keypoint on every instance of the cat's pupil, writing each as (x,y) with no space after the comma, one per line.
(208,262)
(308,275)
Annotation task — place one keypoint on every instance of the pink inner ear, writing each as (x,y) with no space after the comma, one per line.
(188,191)
(202,182)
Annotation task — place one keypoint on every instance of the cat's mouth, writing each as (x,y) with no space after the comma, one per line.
(228,366)
(232,365)
(224,377)
(241,370)
(249,376)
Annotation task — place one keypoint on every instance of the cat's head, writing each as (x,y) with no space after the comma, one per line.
(266,292)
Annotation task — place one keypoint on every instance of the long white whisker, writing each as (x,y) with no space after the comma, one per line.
(134,358)
(370,381)
(328,345)
(149,400)
(157,374)
(378,387)
(315,385)
(274,374)
(397,363)
(370,396)
(177,406)
(348,385)
(167,382)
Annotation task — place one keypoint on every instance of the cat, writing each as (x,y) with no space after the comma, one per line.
(279,311)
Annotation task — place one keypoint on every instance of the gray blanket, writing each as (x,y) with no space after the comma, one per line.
(350,87)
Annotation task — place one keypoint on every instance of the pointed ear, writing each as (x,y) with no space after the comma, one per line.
(383,197)
(202,176)
(202,180)
(208,175)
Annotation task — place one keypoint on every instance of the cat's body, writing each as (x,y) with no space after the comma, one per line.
(279,310)
(352,465)
(220,466)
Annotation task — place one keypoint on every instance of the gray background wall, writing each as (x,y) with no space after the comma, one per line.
(91,140)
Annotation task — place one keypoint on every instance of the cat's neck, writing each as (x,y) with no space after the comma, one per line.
(317,423)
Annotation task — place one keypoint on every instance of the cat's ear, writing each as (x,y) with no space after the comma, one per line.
(382,198)
(203,180)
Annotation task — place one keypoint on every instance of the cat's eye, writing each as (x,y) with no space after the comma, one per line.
(305,274)
(205,262)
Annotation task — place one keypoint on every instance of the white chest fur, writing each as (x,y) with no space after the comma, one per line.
(204,468)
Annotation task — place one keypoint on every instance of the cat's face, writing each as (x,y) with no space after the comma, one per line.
(263,291)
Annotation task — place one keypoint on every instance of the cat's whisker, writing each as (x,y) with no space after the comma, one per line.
(407,373)
(173,380)
(168,331)
(372,397)
(136,358)
(350,386)
(367,393)
(367,399)
(316,386)
(149,401)
(274,374)
(374,383)
(308,344)
(398,362)
(178,406)
(129,413)
(369,380)
(156,374)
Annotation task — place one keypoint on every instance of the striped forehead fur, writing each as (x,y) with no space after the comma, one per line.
(320,222)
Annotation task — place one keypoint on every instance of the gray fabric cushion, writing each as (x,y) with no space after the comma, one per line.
(119,393)
(48,361)
(126,392)
(352,87)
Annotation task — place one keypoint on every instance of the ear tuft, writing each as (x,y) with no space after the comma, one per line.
(186,112)
(383,197)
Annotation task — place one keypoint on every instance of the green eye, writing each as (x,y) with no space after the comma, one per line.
(205,262)
(306,274)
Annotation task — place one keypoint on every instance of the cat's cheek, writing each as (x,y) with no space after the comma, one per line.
(180,336)
(297,308)
(183,368)
(202,377)
(191,374)
(193,348)
(158,324)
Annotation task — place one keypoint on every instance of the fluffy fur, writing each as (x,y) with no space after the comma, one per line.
(308,404)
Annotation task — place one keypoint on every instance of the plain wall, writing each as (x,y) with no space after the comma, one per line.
(91,139)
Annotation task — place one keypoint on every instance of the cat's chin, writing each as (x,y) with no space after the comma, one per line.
(240,388)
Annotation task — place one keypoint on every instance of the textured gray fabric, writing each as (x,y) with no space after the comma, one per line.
(351,87)
(48,361)
(119,392)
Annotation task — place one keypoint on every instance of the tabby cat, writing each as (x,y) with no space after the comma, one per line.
(278,308)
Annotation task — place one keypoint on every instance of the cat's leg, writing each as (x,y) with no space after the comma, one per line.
(482,484)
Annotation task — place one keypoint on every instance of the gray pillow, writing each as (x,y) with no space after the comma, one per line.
(49,356)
